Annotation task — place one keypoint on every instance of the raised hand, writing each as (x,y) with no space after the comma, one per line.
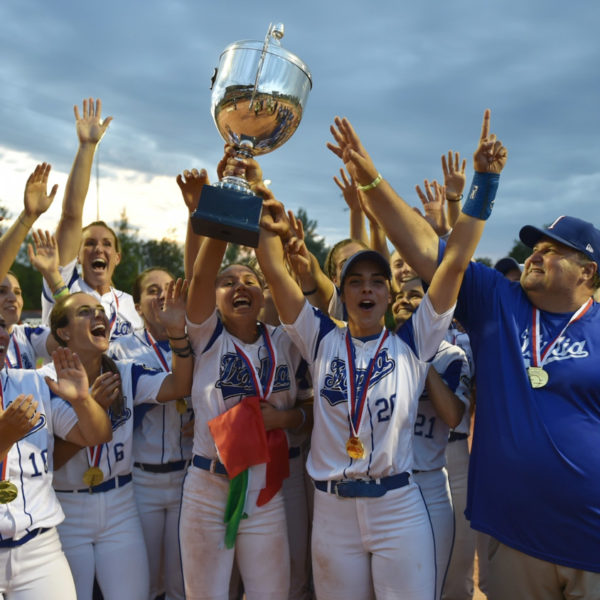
(350,149)
(106,388)
(18,419)
(90,126)
(45,259)
(274,217)
(454,176)
(232,165)
(36,200)
(349,190)
(491,155)
(191,183)
(433,200)
(72,380)
(172,314)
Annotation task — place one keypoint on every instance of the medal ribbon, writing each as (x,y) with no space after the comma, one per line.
(539,358)
(356,405)
(272,362)
(94,453)
(158,351)
(17,352)
(113,316)
(5,461)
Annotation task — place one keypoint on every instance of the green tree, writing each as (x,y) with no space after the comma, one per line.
(484,260)
(163,253)
(131,254)
(519,251)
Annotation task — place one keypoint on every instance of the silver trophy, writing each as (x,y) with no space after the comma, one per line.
(258,95)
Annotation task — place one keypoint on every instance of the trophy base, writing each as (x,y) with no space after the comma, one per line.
(228,215)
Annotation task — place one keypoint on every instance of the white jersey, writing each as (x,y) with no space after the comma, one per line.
(336,308)
(157,434)
(461,339)
(221,378)
(27,344)
(29,461)
(140,384)
(431,433)
(397,381)
(119,306)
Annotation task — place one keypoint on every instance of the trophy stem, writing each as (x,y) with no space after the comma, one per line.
(230,182)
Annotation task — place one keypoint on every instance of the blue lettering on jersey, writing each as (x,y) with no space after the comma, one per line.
(334,388)
(121,328)
(117,421)
(39,425)
(235,380)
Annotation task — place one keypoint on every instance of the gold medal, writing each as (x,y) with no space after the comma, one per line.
(537,377)
(355,448)
(93,477)
(181,406)
(8,492)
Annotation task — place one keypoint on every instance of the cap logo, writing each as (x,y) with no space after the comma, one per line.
(589,248)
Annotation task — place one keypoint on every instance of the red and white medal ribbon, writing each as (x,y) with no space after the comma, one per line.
(94,453)
(539,357)
(158,351)
(5,461)
(113,316)
(356,405)
(17,354)
(271,364)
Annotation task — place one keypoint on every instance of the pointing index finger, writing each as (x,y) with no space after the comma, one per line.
(485,126)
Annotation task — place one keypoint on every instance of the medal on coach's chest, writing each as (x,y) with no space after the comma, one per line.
(94,475)
(8,491)
(181,406)
(357,394)
(538,376)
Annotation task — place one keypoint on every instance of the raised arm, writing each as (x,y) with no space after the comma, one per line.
(357,217)
(90,129)
(489,160)
(191,183)
(36,202)
(287,296)
(446,403)
(413,236)
(178,383)
(454,180)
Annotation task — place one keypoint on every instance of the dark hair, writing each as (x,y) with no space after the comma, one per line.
(249,266)
(103,224)
(136,291)
(59,318)
(329,266)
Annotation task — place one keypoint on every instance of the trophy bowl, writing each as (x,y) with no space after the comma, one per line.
(258,96)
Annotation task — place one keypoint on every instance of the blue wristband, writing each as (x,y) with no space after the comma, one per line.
(481,195)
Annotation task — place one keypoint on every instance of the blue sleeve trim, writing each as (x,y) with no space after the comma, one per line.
(139,412)
(214,336)
(451,375)
(138,371)
(407,334)
(325,326)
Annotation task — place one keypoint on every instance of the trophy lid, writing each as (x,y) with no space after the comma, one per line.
(272,48)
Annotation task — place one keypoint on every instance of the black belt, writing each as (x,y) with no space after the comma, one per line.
(359,488)
(10,543)
(455,436)
(105,486)
(209,464)
(169,467)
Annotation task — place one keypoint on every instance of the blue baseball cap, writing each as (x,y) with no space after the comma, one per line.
(570,231)
(371,255)
(506,264)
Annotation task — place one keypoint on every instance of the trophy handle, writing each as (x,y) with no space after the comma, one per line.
(274,35)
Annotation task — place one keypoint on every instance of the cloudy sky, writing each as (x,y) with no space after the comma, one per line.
(413,78)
